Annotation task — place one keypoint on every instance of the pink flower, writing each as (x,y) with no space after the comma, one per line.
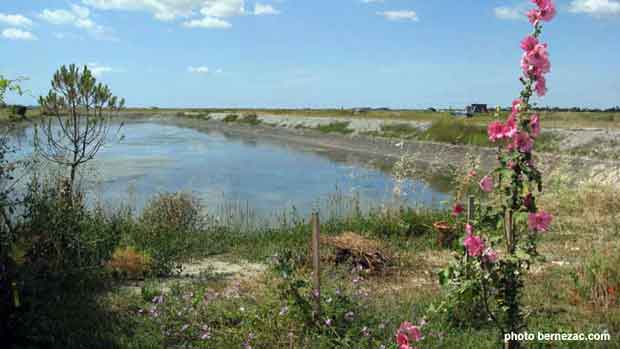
(469,229)
(402,340)
(495,131)
(541,86)
(407,333)
(535,125)
(457,209)
(486,184)
(536,61)
(539,221)
(510,129)
(546,8)
(490,255)
(545,11)
(529,43)
(522,142)
(534,16)
(474,245)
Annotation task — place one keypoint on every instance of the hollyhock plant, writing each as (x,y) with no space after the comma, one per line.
(498,280)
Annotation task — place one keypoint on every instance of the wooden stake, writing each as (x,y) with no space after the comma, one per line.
(316,264)
(471,206)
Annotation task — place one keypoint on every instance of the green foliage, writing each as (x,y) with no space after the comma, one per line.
(166,230)
(457,131)
(336,127)
(231,118)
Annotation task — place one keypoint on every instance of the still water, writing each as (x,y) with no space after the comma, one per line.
(227,170)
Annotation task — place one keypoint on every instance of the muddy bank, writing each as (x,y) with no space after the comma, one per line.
(430,157)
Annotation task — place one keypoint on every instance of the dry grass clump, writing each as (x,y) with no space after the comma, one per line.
(362,252)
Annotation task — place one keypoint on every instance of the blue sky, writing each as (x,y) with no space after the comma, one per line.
(312,53)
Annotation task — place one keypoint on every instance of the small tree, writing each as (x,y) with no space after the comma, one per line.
(78,113)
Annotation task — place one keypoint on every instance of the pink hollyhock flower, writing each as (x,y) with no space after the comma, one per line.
(541,86)
(510,128)
(490,255)
(529,43)
(534,16)
(539,221)
(522,142)
(457,209)
(546,8)
(402,340)
(538,57)
(495,131)
(474,245)
(535,125)
(407,333)
(486,184)
(469,228)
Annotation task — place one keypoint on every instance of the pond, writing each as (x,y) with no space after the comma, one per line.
(232,172)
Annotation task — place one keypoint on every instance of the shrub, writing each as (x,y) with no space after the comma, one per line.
(166,228)
(62,235)
(231,118)
(129,263)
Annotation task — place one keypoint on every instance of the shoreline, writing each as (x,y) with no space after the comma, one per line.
(433,157)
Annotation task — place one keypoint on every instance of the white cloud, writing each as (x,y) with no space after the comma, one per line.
(263,9)
(16,20)
(371,1)
(57,17)
(163,10)
(403,15)
(98,70)
(514,13)
(596,8)
(223,8)
(208,22)
(198,70)
(17,34)
(79,17)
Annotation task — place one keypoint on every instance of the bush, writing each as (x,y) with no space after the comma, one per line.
(60,234)
(129,263)
(231,118)
(166,229)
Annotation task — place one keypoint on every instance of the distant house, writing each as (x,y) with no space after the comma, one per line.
(477,108)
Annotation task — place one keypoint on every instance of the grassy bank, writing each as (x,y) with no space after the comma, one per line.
(136,300)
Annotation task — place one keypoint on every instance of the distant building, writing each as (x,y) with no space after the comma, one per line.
(477,108)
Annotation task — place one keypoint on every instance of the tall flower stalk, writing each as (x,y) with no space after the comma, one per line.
(500,241)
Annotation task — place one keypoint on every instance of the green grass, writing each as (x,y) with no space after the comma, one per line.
(336,127)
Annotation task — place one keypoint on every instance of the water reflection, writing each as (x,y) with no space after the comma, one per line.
(266,174)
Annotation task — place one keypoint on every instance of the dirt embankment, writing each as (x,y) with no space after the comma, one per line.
(431,156)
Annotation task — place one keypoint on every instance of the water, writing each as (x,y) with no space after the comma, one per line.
(227,171)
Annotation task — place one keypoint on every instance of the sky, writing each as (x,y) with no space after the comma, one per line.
(311,53)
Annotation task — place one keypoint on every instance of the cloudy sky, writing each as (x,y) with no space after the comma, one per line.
(311,53)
